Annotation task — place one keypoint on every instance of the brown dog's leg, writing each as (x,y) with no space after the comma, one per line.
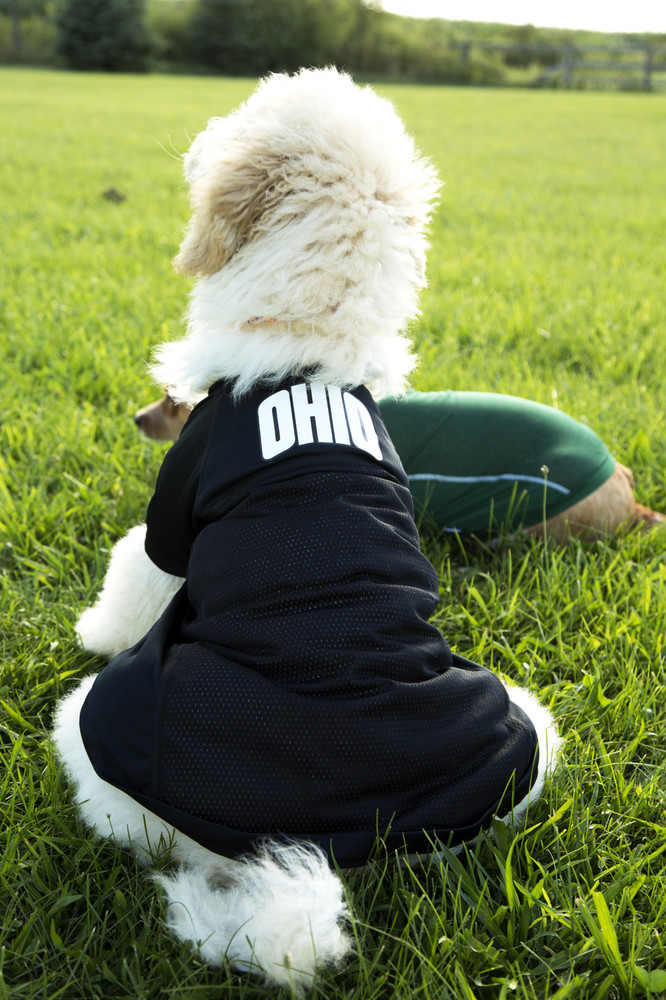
(612,507)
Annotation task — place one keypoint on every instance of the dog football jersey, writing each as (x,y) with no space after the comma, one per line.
(295,686)
(479,461)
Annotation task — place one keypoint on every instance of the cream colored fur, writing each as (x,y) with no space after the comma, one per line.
(307,239)
(309,209)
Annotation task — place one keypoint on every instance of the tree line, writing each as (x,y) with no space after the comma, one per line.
(253,37)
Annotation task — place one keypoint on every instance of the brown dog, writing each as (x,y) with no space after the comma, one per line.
(610,508)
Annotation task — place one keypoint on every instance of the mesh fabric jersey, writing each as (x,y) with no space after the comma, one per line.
(295,686)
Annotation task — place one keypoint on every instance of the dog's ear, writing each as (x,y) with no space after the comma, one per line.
(227,202)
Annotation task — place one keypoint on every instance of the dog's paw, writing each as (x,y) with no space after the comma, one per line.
(94,634)
(85,629)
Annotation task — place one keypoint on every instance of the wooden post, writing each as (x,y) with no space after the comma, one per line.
(568,65)
(647,68)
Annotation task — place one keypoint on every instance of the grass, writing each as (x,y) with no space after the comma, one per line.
(547,272)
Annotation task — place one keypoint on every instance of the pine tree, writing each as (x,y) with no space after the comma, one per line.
(260,36)
(103,34)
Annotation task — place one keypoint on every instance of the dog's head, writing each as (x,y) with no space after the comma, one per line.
(162,420)
(307,235)
(317,155)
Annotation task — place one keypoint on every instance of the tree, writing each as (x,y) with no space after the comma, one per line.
(253,37)
(16,10)
(229,36)
(103,34)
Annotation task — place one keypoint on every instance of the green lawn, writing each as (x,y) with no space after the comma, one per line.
(547,274)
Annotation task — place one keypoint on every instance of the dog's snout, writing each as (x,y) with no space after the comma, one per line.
(137,420)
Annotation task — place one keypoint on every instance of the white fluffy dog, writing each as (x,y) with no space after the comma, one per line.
(264,706)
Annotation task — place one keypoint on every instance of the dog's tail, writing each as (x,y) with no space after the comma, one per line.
(280,914)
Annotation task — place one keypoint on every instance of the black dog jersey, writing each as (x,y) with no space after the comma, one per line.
(295,686)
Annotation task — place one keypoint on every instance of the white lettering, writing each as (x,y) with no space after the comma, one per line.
(276,424)
(361,426)
(307,412)
(338,415)
(315,413)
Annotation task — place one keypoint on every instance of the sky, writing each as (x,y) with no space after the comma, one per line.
(595,15)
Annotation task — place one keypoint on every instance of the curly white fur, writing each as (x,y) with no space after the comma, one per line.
(280,914)
(310,204)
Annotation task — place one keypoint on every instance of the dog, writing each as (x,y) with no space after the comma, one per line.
(608,508)
(276,696)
